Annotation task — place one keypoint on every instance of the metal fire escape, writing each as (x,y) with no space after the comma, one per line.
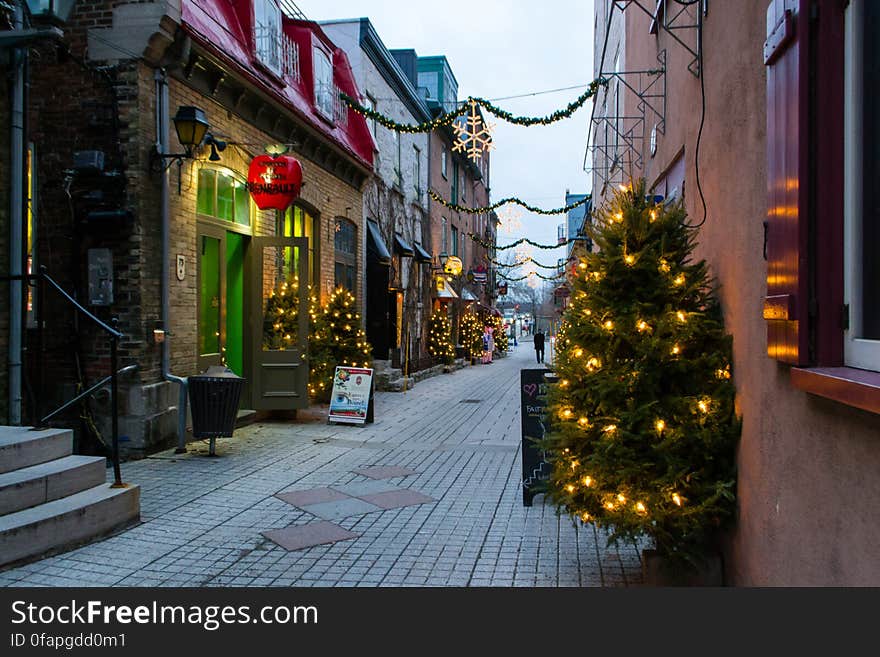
(615,140)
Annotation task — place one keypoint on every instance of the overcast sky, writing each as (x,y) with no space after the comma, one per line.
(500,48)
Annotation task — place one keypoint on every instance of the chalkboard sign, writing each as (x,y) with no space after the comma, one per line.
(533,397)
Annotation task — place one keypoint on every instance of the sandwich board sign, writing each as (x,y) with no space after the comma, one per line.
(351,397)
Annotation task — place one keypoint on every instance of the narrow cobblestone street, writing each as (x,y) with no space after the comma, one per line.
(203,518)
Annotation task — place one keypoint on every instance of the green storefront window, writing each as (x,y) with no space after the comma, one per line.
(207,191)
(242,204)
(225,197)
(222,196)
(297,222)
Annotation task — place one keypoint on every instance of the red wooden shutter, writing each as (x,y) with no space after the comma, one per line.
(787,61)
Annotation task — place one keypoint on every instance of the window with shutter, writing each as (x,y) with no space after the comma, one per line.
(786,58)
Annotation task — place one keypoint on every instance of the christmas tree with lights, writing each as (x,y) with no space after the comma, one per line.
(335,339)
(470,334)
(440,337)
(281,317)
(644,429)
(498,333)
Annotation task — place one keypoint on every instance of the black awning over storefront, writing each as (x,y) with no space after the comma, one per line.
(421,254)
(402,247)
(376,249)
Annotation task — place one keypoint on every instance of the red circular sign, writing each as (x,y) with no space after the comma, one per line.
(274,181)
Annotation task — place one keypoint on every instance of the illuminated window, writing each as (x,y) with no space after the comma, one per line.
(222,195)
(299,222)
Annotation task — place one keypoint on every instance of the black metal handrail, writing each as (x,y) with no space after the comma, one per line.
(112,332)
(85,393)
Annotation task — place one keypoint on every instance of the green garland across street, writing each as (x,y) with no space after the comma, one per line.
(448,118)
(516,279)
(522,263)
(511,199)
(522,240)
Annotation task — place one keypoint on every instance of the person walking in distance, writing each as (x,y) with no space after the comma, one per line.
(539,345)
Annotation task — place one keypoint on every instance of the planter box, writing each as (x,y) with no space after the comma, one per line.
(656,573)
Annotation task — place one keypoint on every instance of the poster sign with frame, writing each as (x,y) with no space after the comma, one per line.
(350,398)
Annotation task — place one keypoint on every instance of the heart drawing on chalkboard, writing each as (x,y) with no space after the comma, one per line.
(530,389)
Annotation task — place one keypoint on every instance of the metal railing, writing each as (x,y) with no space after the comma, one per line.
(42,279)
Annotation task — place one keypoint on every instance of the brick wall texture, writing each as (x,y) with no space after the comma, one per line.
(78,105)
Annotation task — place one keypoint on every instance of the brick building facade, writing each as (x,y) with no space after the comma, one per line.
(261,78)
(464,182)
(398,267)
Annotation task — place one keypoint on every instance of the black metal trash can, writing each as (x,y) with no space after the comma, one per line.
(213,400)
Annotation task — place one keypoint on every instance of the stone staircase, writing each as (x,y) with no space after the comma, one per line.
(389,379)
(51,499)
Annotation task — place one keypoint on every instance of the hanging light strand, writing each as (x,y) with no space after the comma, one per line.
(448,118)
(523,240)
(511,199)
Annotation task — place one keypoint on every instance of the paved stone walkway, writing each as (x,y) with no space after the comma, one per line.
(203,518)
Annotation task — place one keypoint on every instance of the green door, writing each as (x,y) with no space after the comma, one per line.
(279,321)
(221,298)
(212,291)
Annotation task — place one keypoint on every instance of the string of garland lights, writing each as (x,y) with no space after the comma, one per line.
(520,263)
(511,199)
(448,118)
(516,279)
(522,240)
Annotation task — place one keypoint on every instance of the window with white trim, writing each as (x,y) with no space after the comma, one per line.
(417,170)
(398,164)
(323,83)
(444,236)
(861,171)
(267,34)
(443,162)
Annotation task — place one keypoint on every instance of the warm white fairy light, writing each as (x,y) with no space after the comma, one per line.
(474,135)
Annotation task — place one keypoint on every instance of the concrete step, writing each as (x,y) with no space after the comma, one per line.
(67,522)
(21,447)
(37,484)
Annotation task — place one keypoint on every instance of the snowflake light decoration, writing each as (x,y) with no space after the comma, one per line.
(510,220)
(475,136)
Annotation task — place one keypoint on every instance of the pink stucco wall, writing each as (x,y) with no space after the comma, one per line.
(809,469)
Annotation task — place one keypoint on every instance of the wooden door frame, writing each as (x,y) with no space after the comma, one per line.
(214,232)
(253,328)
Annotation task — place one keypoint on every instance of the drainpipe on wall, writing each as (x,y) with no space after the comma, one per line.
(162,147)
(16,220)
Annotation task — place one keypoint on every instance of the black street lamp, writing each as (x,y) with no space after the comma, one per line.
(191,126)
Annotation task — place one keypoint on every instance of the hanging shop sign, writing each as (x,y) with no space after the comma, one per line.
(274,181)
(350,398)
(481,275)
(453,265)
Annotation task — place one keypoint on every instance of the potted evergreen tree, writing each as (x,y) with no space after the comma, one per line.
(644,429)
